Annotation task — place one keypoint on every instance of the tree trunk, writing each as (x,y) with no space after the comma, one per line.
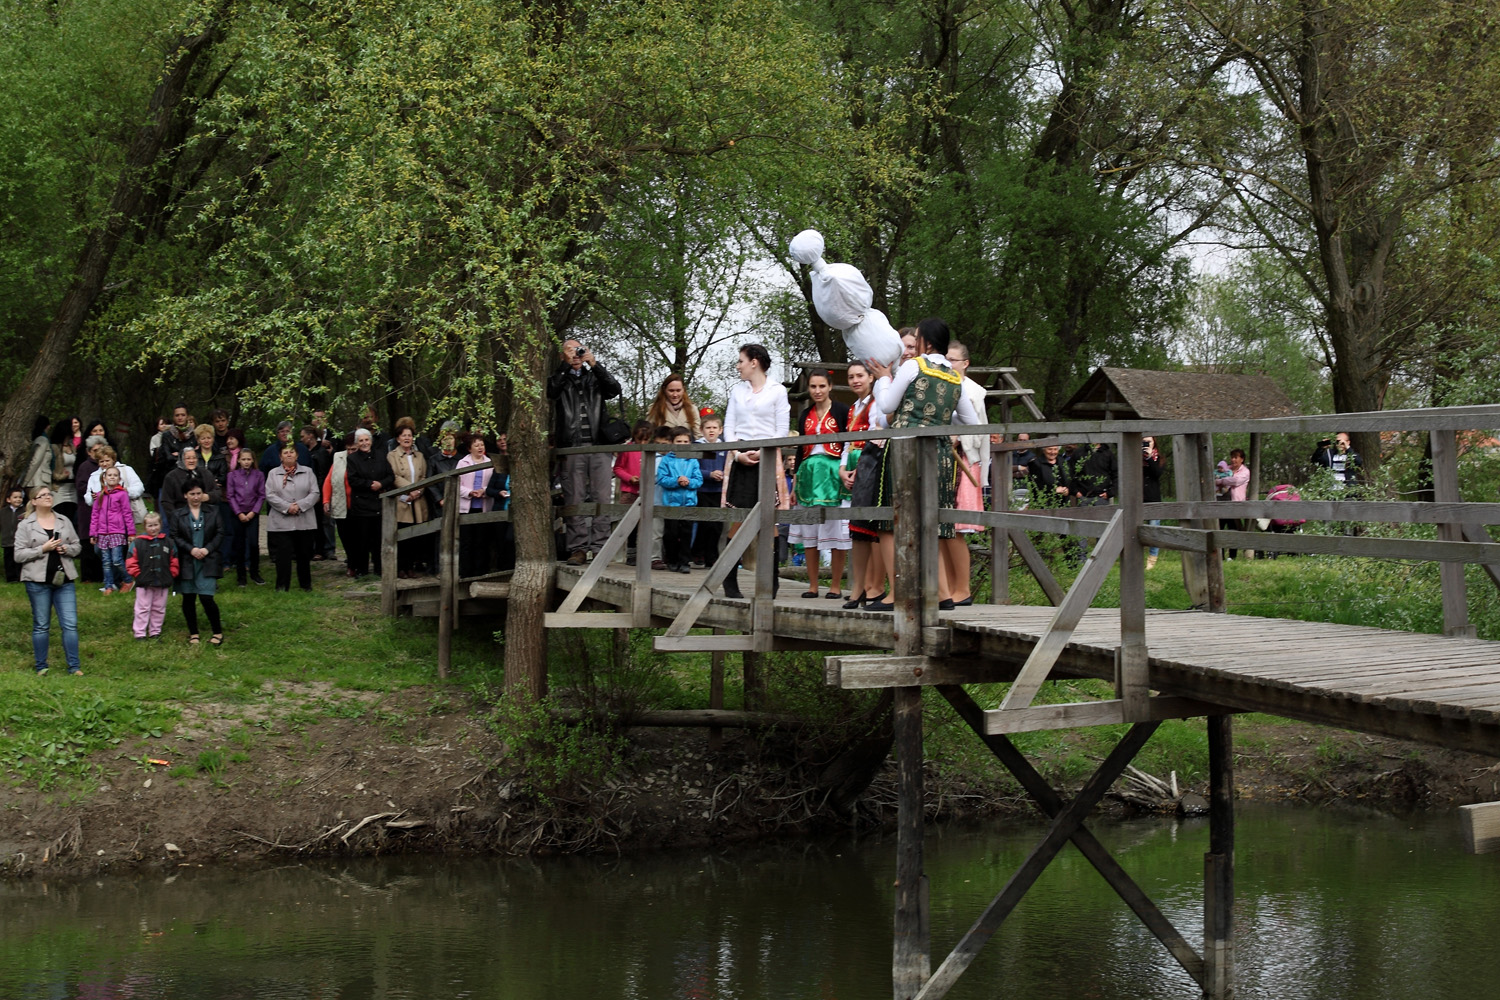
(531,510)
(99,249)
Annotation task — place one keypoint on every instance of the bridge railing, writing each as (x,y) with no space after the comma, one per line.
(1119,531)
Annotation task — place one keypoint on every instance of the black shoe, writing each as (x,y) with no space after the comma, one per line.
(856,603)
(732,585)
(255,579)
(880,606)
(966,602)
(946,604)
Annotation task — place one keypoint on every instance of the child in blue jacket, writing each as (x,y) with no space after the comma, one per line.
(677,482)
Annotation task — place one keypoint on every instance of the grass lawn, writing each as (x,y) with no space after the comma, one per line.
(334,635)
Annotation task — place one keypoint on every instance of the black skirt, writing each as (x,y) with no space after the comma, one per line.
(744,486)
(866,489)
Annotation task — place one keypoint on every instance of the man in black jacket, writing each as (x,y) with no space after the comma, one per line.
(578,391)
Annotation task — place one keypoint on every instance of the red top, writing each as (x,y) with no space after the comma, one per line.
(812,426)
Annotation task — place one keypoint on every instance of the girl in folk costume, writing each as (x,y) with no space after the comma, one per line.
(758,409)
(924,392)
(860,475)
(818,483)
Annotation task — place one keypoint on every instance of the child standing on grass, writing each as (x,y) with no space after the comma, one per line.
(10,516)
(678,480)
(153,564)
(110,526)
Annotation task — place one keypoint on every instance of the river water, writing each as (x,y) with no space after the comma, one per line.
(1331,904)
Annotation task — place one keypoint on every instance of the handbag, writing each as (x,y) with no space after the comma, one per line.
(616,430)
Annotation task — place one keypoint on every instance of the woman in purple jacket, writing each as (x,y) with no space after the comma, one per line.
(246,491)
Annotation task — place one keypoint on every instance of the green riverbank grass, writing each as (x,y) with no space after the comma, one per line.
(328,642)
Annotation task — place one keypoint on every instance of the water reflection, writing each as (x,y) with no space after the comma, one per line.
(1332,905)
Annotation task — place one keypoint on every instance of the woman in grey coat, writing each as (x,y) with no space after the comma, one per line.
(46,544)
(292,496)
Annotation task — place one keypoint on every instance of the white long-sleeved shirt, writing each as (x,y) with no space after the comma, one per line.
(976,446)
(890,389)
(752,416)
(128,479)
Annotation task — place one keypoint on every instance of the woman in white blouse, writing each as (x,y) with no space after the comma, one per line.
(758,409)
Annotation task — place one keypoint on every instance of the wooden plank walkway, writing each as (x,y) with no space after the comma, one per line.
(1436,689)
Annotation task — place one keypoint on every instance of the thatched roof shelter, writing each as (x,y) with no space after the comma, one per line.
(1129,393)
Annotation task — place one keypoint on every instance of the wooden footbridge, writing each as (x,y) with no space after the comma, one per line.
(1442,689)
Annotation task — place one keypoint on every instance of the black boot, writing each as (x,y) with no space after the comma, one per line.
(732,584)
(240,573)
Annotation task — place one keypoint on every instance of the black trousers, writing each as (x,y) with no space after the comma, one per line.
(362,543)
(706,541)
(12,568)
(676,540)
(244,545)
(474,544)
(286,546)
(190,612)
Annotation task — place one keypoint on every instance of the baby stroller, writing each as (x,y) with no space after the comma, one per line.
(1281,525)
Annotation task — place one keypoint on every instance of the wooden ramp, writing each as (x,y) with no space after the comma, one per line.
(1442,690)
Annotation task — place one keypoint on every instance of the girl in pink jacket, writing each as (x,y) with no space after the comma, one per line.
(110,526)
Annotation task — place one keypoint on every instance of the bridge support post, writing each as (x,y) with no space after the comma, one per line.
(915,523)
(388,528)
(1218,864)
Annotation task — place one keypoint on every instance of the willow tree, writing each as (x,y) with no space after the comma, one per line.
(445,172)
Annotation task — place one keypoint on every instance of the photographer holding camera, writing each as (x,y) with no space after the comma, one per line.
(1338,457)
(578,391)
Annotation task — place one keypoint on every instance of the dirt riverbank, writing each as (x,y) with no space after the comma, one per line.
(421,771)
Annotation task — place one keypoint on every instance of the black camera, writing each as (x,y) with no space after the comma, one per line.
(578,352)
(1326,443)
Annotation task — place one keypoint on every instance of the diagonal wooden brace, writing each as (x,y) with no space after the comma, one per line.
(1051,804)
(727,561)
(611,548)
(1064,826)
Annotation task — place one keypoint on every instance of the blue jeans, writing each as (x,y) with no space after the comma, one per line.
(114,565)
(1154,550)
(44,597)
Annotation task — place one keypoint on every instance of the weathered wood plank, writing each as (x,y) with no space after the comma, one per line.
(1445,490)
(1069,613)
(911,959)
(728,559)
(448,575)
(1481,824)
(1131,667)
(1038,567)
(388,567)
(1076,715)
(762,601)
(498,589)
(1330,510)
(589,619)
(601,563)
(703,643)
(865,672)
(1081,527)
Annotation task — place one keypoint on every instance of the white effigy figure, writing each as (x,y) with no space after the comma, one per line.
(843,298)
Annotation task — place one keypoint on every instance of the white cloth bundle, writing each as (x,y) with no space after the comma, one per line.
(843,298)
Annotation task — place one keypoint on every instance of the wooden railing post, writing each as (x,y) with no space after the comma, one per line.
(1445,490)
(1252,492)
(1204,445)
(1002,480)
(640,603)
(1131,685)
(447,576)
(762,606)
(1185,475)
(388,555)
